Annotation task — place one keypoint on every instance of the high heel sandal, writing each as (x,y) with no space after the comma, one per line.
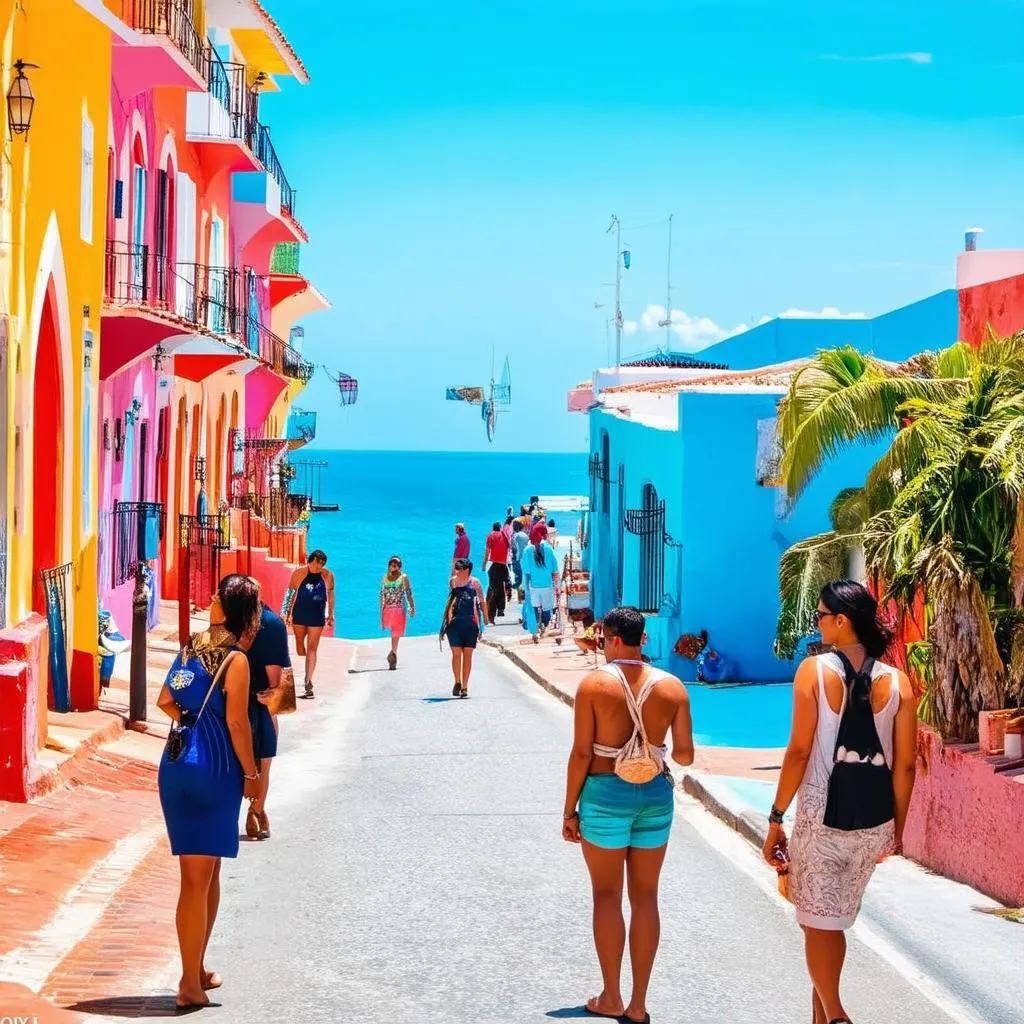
(264,825)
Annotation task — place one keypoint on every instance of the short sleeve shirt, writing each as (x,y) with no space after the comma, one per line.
(520,542)
(540,575)
(269,648)
(462,545)
(499,547)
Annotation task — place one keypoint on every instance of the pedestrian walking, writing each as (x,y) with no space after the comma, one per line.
(463,623)
(207,766)
(461,544)
(395,598)
(267,653)
(496,554)
(851,758)
(619,802)
(309,609)
(520,542)
(540,568)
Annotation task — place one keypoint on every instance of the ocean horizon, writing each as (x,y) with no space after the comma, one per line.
(406,503)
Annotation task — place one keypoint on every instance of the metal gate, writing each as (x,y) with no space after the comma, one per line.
(620,526)
(648,523)
(202,540)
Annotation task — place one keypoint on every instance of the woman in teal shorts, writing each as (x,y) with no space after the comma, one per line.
(624,827)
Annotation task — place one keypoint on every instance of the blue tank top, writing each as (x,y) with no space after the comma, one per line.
(311,595)
(464,605)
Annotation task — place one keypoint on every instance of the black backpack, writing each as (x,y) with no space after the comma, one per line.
(860,788)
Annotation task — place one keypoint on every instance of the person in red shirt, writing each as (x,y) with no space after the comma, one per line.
(461,544)
(496,556)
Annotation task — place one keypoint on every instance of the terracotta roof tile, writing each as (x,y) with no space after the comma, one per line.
(274,30)
(764,377)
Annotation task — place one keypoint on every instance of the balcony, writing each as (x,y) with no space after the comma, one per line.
(275,353)
(285,259)
(138,531)
(222,120)
(278,509)
(267,156)
(301,428)
(166,49)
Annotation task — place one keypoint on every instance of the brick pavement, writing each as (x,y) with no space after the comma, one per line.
(88,886)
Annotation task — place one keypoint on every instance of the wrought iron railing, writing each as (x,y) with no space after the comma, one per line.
(648,523)
(267,155)
(620,554)
(236,116)
(275,352)
(301,425)
(169,18)
(209,298)
(277,508)
(285,258)
(138,530)
(55,591)
(210,530)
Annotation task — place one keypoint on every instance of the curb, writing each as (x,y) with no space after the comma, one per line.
(497,645)
(49,780)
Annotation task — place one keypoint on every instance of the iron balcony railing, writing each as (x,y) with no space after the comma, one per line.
(234,115)
(277,508)
(138,530)
(275,352)
(208,531)
(173,19)
(301,425)
(209,298)
(267,155)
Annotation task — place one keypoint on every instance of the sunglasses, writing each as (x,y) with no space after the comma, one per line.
(817,615)
(395,562)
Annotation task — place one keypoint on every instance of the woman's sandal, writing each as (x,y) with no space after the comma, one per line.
(392,660)
(597,1013)
(463,693)
(457,689)
(264,824)
(629,1020)
(252,823)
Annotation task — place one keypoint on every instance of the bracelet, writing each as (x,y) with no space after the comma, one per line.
(570,816)
(252,778)
(775,816)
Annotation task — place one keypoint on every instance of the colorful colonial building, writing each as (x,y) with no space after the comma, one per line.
(149,302)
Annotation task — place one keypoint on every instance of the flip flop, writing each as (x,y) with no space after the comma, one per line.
(595,1013)
(629,1020)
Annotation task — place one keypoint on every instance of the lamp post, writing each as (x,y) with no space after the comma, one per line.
(20,100)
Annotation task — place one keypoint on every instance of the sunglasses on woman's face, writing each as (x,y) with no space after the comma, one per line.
(395,564)
(817,615)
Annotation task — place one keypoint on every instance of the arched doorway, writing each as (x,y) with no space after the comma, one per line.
(47,513)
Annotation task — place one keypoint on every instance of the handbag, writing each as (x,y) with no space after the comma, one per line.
(635,763)
(280,699)
(181,738)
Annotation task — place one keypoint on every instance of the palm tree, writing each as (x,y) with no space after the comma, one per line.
(941,512)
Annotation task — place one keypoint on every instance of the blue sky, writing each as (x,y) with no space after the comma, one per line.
(457,165)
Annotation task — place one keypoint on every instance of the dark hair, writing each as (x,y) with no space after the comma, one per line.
(396,558)
(317,556)
(628,624)
(538,547)
(551,524)
(508,522)
(844,597)
(240,601)
(496,526)
(517,526)
(461,564)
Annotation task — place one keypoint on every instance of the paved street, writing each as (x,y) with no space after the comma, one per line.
(416,873)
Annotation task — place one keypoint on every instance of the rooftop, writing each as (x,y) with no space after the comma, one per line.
(674,360)
(774,377)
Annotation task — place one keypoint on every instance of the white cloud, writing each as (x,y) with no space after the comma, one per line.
(910,57)
(694,333)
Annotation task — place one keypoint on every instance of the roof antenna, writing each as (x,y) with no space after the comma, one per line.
(667,322)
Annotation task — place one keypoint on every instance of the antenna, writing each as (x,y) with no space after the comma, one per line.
(667,322)
(617,226)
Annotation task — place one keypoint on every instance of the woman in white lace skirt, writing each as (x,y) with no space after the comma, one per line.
(850,762)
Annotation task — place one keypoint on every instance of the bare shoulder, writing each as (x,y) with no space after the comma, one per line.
(593,682)
(806,677)
(906,687)
(672,688)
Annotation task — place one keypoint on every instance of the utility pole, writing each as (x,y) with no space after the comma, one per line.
(667,322)
(617,225)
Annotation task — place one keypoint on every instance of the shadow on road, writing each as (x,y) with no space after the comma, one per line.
(572,1012)
(134,1007)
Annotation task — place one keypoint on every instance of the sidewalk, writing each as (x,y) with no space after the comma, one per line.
(942,934)
(88,885)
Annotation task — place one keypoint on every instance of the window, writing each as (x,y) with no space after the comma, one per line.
(85,228)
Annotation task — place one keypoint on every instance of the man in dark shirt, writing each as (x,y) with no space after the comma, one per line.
(268,658)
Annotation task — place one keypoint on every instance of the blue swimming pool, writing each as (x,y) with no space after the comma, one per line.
(741,716)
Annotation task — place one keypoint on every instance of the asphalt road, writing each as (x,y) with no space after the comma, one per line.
(416,873)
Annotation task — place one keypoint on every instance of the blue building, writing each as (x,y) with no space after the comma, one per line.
(688,518)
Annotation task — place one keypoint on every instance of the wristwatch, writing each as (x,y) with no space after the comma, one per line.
(775,816)
(570,816)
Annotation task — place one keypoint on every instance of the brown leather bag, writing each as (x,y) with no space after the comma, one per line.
(280,699)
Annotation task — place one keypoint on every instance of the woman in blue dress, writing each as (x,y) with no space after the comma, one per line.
(201,789)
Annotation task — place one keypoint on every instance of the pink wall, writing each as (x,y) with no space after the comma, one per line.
(120,478)
(967,820)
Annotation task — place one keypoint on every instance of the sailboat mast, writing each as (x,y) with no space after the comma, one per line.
(668,291)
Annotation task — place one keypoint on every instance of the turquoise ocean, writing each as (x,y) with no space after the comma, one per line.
(407,503)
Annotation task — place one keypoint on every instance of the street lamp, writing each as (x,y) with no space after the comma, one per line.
(20,101)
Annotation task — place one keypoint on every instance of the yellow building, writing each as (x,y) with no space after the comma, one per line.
(53,193)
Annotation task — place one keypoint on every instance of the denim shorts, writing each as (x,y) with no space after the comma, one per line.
(615,814)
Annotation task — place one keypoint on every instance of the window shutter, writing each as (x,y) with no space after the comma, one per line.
(118,200)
